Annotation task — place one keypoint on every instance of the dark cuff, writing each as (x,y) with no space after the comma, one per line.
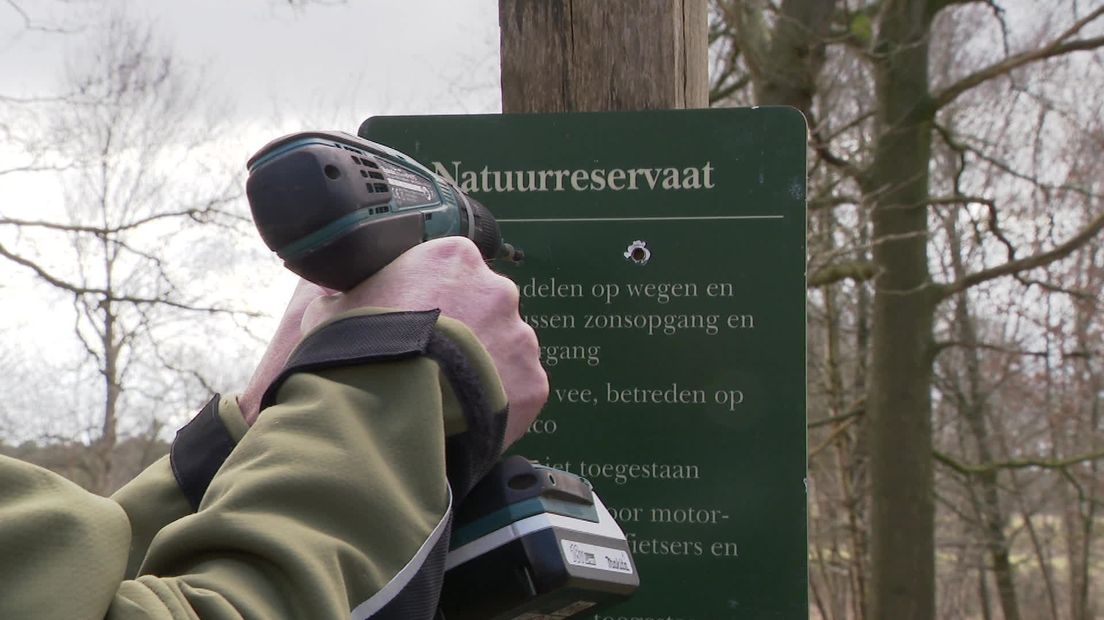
(356,340)
(370,338)
(198,451)
(469,455)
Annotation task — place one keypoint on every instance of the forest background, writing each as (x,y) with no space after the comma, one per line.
(955,262)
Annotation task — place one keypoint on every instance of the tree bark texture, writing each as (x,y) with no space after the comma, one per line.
(784,65)
(598,55)
(902,543)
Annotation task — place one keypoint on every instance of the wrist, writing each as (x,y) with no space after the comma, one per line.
(473,403)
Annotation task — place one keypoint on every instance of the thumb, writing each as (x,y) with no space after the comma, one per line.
(320,310)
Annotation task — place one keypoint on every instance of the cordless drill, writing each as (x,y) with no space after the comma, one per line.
(529,541)
(337,208)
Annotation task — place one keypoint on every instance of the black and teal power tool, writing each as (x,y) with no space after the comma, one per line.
(529,542)
(337,208)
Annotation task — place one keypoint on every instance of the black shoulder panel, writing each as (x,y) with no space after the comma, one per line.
(198,451)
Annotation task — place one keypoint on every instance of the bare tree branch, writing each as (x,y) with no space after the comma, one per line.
(32,168)
(1031,262)
(31,24)
(858,271)
(50,278)
(201,214)
(1040,463)
(855,410)
(1058,47)
(947,344)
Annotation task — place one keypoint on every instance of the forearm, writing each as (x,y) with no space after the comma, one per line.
(334,501)
(154,498)
(316,535)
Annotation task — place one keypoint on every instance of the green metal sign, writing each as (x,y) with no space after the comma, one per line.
(665,277)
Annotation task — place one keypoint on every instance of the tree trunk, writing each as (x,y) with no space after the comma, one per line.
(109,437)
(1081,553)
(972,409)
(847,451)
(898,395)
(591,55)
(785,60)
(971,406)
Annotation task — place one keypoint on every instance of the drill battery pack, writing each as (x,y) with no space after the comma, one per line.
(534,543)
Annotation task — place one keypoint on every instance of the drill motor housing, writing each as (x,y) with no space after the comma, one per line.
(337,208)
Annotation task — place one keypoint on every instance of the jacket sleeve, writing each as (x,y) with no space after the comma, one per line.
(335,504)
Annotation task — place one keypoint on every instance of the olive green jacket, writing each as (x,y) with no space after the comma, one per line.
(335,504)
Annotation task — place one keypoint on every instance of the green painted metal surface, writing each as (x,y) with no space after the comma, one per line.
(665,277)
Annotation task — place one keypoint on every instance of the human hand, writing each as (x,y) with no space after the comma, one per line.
(287,336)
(450,274)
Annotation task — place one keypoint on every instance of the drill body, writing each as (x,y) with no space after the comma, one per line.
(337,208)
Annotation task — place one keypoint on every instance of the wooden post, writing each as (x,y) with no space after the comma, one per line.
(595,55)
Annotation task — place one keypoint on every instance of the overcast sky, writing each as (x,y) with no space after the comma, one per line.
(326,61)
(325,65)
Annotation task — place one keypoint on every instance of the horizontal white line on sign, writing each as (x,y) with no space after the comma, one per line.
(646,219)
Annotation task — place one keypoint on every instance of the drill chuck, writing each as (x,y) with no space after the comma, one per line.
(337,208)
